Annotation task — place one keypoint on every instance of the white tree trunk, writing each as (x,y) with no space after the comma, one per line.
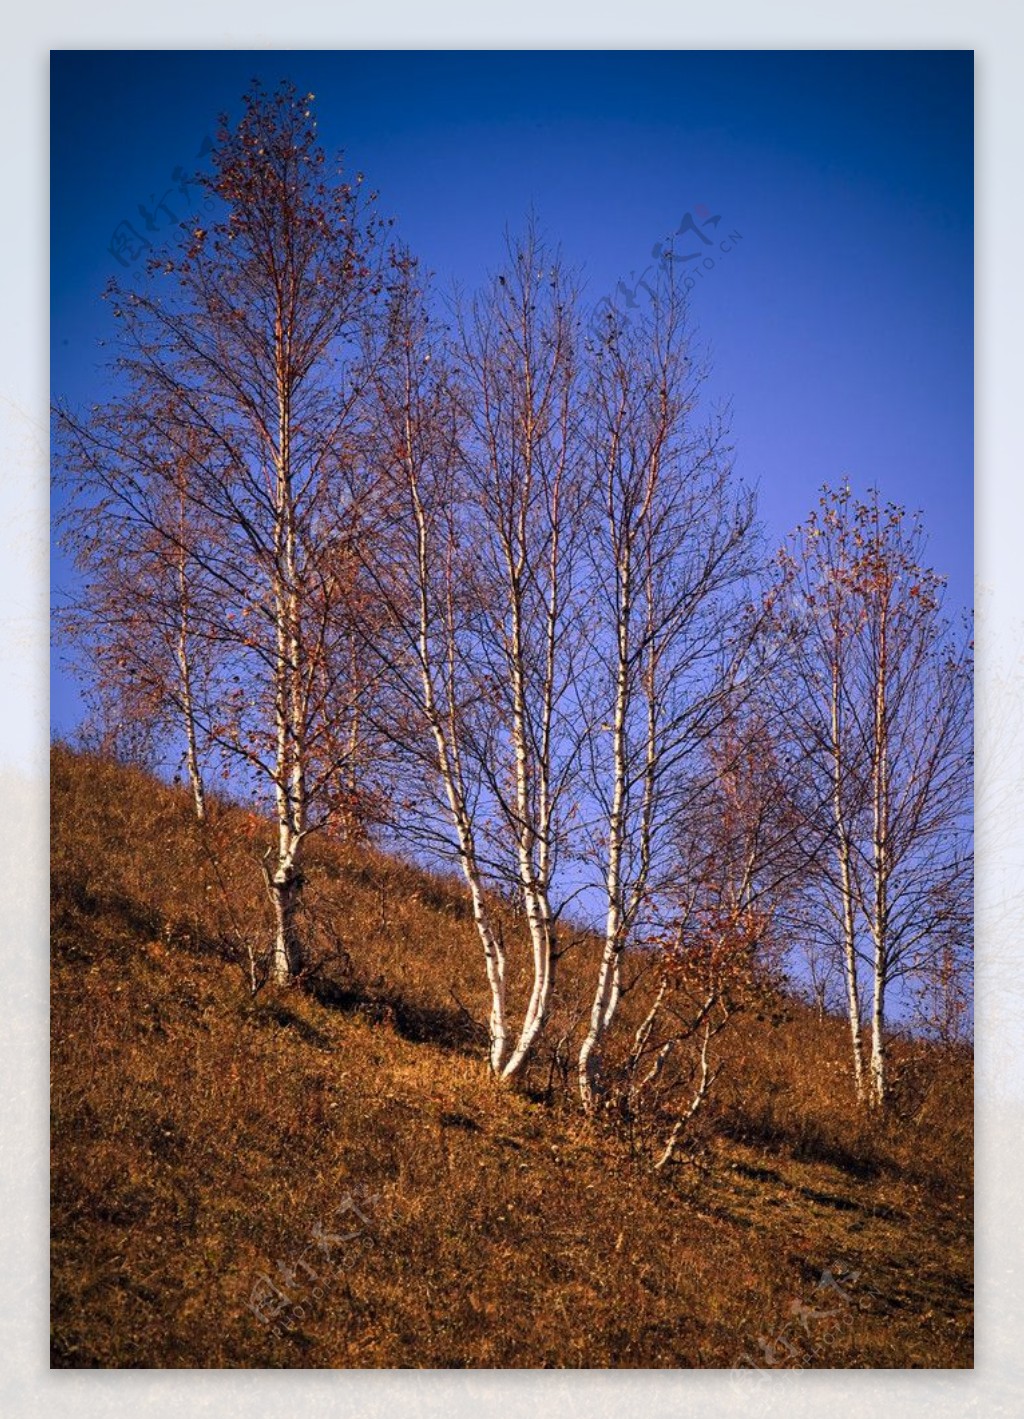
(606,995)
(534,890)
(880,864)
(879,1082)
(285,881)
(532,769)
(449,767)
(846,886)
(707,1079)
(285,886)
(195,776)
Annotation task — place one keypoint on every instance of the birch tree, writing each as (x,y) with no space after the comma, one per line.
(916,875)
(480,437)
(519,352)
(671,547)
(882,714)
(137,621)
(247,327)
(811,615)
(421,582)
(720,944)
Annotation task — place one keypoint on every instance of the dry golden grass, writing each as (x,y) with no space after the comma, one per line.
(201,1137)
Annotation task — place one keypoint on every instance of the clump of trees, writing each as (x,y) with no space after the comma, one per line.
(874,699)
(496,585)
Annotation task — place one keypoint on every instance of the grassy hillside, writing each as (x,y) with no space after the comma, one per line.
(342,1140)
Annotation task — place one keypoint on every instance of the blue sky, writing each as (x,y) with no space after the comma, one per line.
(840,319)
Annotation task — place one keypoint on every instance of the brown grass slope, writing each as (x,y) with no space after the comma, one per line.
(205,1142)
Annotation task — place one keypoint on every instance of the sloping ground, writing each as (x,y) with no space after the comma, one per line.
(328,1176)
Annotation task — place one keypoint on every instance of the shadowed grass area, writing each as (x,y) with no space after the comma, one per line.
(343,1140)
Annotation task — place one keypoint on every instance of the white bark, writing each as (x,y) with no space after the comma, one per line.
(899,748)
(444,730)
(285,881)
(520,355)
(641,539)
(233,355)
(184,659)
(843,850)
(606,994)
(704,1086)
(880,856)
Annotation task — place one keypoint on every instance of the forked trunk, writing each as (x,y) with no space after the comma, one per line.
(537,1010)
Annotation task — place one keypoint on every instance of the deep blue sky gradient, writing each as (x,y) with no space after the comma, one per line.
(840,324)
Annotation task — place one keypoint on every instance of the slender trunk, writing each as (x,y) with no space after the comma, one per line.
(534,894)
(285,882)
(531,779)
(606,995)
(878,1059)
(536,824)
(192,760)
(707,1079)
(195,776)
(354,820)
(494,960)
(285,887)
(850,973)
(880,866)
(846,886)
(631,538)
(602,1013)
(449,766)
(819,1002)
(634,1087)
(494,955)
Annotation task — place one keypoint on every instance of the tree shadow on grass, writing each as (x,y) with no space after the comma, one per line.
(87,925)
(802,1145)
(447,1029)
